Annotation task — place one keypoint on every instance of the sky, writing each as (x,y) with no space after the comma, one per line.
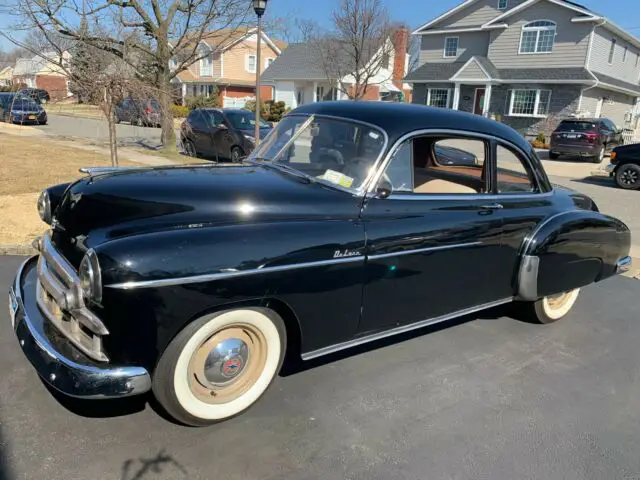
(626,13)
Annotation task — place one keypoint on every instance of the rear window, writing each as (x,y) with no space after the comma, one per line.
(576,126)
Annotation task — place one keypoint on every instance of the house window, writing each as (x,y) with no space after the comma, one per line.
(251,63)
(451,47)
(612,50)
(502,4)
(319,94)
(268,62)
(206,65)
(624,54)
(529,103)
(637,58)
(538,37)
(438,97)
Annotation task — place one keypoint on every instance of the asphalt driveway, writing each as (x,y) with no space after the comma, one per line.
(489,397)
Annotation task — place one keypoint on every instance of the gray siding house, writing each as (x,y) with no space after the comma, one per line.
(529,63)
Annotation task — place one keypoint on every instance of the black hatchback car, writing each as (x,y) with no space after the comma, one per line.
(226,133)
(15,108)
(585,137)
(140,112)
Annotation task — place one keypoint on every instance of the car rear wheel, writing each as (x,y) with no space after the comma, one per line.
(628,176)
(190,149)
(551,308)
(220,365)
(553,156)
(236,154)
(599,157)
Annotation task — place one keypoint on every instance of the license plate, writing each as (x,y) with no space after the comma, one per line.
(32,117)
(13,308)
(572,135)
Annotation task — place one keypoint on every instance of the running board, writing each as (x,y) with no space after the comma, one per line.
(398,330)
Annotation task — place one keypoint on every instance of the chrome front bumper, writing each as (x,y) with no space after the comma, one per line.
(623,265)
(57,360)
(610,168)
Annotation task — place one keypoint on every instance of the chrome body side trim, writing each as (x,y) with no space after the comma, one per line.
(101,170)
(624,264)
(528,278)
(398,330)
(64,374)
(422,250)
(210,277)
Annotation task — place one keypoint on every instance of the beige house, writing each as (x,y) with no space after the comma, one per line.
(44,71)
(229,66)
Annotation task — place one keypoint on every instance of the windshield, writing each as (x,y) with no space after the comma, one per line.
(244,120)
(576,126)
(337,152)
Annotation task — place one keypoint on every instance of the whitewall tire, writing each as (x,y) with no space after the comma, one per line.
(220,365)
(552,308)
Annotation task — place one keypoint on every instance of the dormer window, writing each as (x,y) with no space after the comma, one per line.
(206,63)
(503,4)
(538,37)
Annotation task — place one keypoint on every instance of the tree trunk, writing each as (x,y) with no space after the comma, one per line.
(113,141)
(168,136)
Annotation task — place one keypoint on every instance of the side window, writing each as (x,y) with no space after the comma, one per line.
(195,119)
(439,166)
(513,172)
(217,118)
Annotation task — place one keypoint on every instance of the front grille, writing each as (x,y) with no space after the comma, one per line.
(60,299)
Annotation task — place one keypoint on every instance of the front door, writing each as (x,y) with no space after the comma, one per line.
(478,103)
(434,246)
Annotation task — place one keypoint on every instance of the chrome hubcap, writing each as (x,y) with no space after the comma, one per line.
(226,361)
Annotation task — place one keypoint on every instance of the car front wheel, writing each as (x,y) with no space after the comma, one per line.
(628,176)
(220,365)
(551,308)
(236,154)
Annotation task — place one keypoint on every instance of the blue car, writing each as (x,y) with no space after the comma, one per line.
(15,108)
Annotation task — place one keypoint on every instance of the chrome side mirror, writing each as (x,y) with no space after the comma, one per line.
(384,189)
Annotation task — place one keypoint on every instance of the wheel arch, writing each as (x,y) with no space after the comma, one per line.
(279,307)
(582,244)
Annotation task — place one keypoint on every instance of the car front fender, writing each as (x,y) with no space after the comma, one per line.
(569,250)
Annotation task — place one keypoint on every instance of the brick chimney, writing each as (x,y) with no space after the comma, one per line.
(400,46)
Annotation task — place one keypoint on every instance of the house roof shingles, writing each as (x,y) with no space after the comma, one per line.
(299,61)
(617,82)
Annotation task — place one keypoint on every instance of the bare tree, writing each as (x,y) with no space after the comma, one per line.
(167,34)
(357,47)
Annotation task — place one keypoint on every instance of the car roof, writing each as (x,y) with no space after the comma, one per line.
(399,119)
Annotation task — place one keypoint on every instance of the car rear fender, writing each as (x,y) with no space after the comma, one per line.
(569,250)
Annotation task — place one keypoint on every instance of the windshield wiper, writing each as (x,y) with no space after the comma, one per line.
(285,169)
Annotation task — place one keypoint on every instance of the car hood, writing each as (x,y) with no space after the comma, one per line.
(99,208)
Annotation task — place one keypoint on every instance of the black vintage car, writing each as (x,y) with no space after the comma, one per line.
(195,281)
(624,166)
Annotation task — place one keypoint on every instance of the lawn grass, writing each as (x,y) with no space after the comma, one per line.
(28,164)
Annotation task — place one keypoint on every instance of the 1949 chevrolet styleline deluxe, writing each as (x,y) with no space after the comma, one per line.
(351,221)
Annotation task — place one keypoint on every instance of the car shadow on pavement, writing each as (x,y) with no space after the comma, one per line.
(597,180)
(5,471)
(293,365)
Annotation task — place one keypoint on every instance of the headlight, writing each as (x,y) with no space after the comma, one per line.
(44,207)
(90,278)
(251,138)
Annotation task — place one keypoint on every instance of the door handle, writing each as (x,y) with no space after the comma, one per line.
(492,206)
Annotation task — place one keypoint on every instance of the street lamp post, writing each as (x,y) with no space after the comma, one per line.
(259,6)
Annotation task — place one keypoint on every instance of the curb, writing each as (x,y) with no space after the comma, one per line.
(20,250)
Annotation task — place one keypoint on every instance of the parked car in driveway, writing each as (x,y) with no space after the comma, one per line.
(195,282)
(585,137)
(140,112)
(220,133)
(17,109)
(39,95)
(624,166)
